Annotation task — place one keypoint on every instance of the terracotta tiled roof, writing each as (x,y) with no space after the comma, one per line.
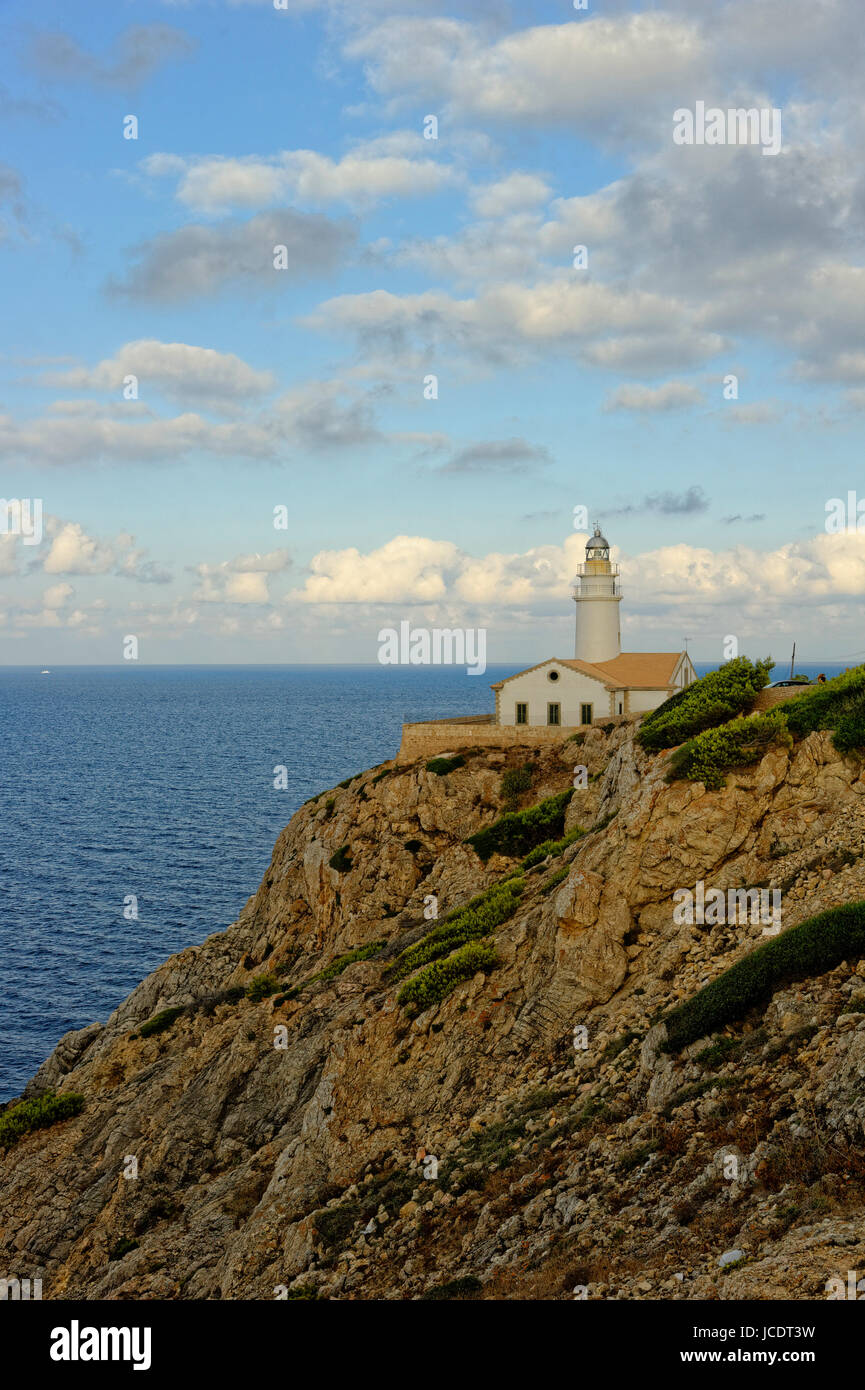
(636,670)
(631,670)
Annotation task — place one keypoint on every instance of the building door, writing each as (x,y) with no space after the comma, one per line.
(554,714)
(585,714)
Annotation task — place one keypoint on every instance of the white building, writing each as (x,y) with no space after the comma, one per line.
(600,681)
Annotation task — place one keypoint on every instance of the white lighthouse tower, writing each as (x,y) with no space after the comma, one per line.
(597,594)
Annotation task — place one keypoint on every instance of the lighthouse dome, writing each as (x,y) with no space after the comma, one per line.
(597,544)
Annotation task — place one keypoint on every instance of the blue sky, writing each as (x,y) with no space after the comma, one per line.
(557,386)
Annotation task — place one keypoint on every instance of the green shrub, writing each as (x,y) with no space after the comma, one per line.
(39,1113)
(442,766)
(719,1051)
(712,700)
(839,705)
(159,1022)
(547,847)
(263,986)
(811,948)
(123,1247)
(709,755)
(517,832)
(337,966)
(694,1090)
(478,918)
(555,879)
(436,981)
(516,781)
(636,1157)
(341,861)
(348,781)
(335,1225)
(454,1288)
(612,1049)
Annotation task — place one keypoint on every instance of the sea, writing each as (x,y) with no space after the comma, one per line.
(138,811)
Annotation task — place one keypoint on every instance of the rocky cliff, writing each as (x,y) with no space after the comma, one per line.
(284,1127)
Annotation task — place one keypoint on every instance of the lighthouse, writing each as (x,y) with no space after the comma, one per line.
(597,594)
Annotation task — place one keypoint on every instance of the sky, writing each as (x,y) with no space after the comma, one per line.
(243,454)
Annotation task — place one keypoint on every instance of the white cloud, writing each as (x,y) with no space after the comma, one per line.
(670,395)
(591,71)
(406,569)
(315,416)
(241,580)
(417,569)
(57,595)
(610,325)
(200,260)
(515,193)
(360,178)
(179,370)
(73,551)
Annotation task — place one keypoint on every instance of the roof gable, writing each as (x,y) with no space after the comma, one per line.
(629,670)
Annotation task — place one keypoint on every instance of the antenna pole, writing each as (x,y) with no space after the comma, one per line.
(792,659)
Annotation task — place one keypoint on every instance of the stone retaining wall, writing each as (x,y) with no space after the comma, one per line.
(433,737)
(768,697)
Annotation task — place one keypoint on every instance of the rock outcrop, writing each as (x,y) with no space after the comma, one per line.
(319,1141)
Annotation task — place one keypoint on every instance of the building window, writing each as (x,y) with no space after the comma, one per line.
(522,714)
(585,714)
(620,707)
(552,675)
(554,714)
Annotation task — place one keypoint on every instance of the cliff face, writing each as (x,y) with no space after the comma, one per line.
(289,1142)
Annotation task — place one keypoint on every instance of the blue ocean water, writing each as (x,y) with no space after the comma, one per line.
(158,782)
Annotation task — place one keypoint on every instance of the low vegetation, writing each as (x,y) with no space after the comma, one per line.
(811,948)
(336,967)
(39,1113)
(159,1023)
(123,1247)
(341,861)
(550,848)
(480,917)
(332,971)
(838,705)
(555,879)
(262,986)
(514,782)
(518,832)
(711,754)
(712,700)
(442,766)
(434,983)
